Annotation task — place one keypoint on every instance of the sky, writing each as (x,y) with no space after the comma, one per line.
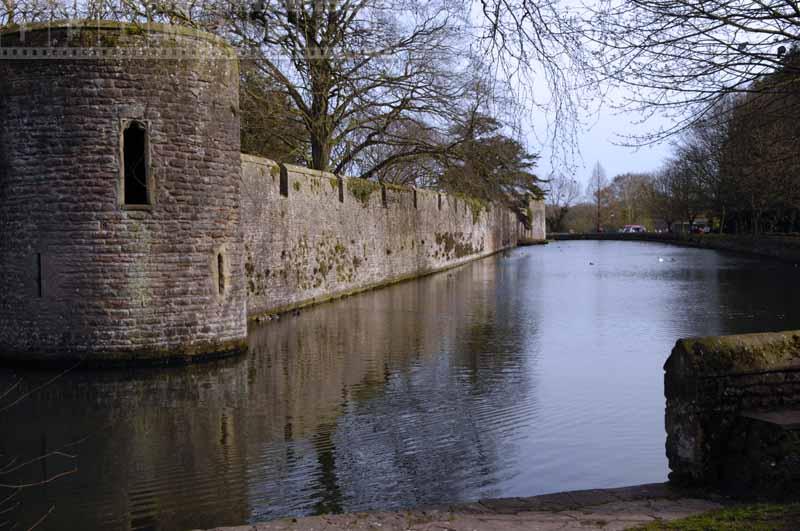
(600,138)
(600,141)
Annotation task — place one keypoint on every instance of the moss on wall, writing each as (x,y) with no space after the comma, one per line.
(362,189)
(476,206)
(454,245)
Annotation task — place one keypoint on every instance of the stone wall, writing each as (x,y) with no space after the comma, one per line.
(310,236)
(731,414)
(84,275)
(537,232)
(89,275)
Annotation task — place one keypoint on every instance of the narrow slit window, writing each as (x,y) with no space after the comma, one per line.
(39,279)
(440,201)
(134,153)
(220,274)
(284,186)
(415,198)
(384,201)
(341,190)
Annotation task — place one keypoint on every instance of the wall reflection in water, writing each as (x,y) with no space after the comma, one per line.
(532,372)
(405,395)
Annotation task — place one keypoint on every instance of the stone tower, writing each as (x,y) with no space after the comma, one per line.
(119,194)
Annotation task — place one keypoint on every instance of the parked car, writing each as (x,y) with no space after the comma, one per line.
(628,229)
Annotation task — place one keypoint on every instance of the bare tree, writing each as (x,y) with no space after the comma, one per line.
(270,125)
(542,46)
(680,182)
(682,57)
(562,192)
(7,12)
(762,163)
(597,191)
(628,194)
(385,89)
(703,148)
(354,69)
(660,199)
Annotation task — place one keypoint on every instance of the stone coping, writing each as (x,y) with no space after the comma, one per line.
(297,171)
(131,28)
(716,356)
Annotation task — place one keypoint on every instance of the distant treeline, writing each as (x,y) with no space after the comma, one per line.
(736,171)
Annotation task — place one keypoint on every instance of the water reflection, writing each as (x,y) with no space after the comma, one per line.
(516,375)
(381,399)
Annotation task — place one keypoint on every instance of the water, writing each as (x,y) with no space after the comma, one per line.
(516,375)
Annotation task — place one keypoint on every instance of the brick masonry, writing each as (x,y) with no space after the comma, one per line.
(87,277)
(116,282)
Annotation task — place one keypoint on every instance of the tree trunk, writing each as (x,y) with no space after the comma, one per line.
(320,152)
(597,226)
(320,119)
(9,12)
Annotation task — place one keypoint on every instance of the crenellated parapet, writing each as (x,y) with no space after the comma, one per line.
(312,236)
(133,230)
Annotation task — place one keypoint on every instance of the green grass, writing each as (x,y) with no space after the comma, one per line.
(762,517)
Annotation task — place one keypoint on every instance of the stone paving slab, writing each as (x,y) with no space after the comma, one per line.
(607,509)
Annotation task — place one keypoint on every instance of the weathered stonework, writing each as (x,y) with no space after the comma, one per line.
(326,237)
(215,237)
(536,233)
(732,415)
(83,275)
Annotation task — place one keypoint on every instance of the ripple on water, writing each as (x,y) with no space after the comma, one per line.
(515,375)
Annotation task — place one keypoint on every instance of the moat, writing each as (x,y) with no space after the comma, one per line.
(532,371)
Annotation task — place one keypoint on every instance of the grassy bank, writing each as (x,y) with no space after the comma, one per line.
(760,517)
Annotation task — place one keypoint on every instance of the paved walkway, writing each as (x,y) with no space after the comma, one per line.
(609,509)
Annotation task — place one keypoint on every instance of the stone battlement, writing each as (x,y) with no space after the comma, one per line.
(133,230)
(311,236)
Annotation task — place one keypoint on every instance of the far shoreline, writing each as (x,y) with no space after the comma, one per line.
(785,248)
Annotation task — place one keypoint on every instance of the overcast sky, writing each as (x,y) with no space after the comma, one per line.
(600,138)
(601,143)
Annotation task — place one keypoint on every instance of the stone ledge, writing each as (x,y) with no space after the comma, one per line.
(722,356)
(788,419)
(129,27)
(618,508)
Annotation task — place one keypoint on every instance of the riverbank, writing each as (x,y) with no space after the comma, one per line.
(620,508)
(785,248)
